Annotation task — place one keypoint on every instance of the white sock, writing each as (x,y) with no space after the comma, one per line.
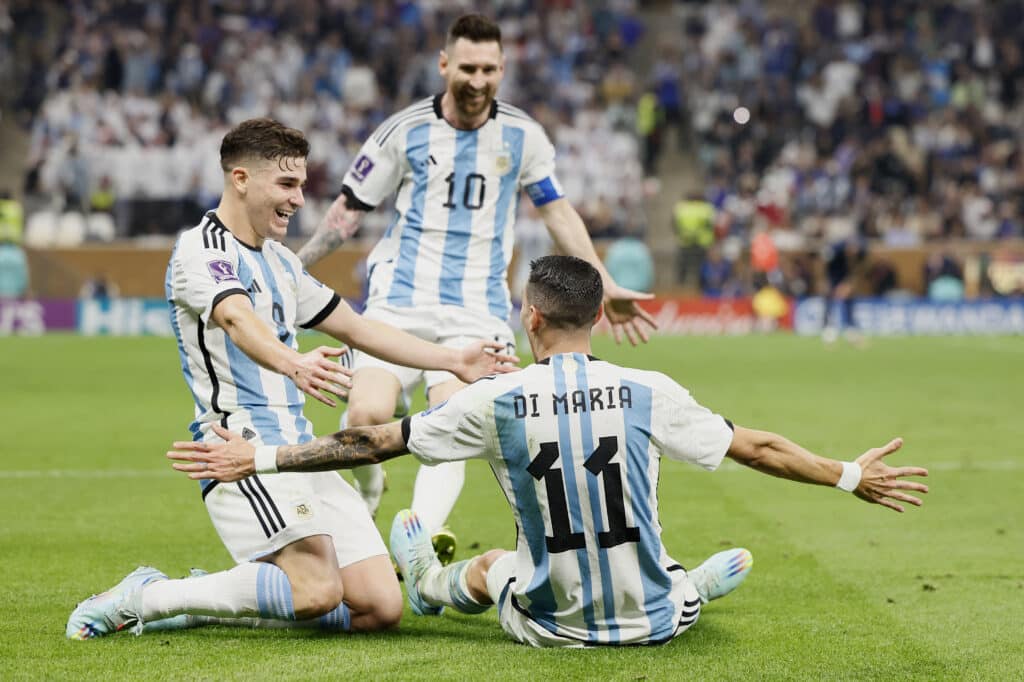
(436,490)
(370,485)
(447,586)
(250,589)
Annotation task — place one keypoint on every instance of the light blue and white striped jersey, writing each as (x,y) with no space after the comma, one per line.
(575,444)
(458,190)
(208,264)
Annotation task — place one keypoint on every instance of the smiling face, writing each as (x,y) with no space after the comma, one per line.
(272,193)
(472,72)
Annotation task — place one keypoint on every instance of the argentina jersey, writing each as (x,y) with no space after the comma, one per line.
(575,443)
(207,265)
(457,193)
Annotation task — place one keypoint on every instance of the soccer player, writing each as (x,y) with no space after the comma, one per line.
(458,162)
(576,445)
(304,544)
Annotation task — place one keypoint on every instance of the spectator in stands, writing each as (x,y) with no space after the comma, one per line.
(715,273)
(694,219)
(943,277)
(14,276)
(99,288)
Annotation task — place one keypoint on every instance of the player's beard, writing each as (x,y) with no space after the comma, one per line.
(469,102)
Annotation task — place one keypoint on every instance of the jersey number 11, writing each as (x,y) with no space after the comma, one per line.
(598,464)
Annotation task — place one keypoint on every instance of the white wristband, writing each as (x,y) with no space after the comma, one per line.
(266,459)
(850,479)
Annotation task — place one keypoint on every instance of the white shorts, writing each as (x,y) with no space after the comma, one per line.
(446,325)
(520,627)
(261,514)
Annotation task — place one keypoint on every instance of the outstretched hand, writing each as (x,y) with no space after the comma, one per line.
(232,460)
(483,358)
(883,484)
(318,375)
(626,316)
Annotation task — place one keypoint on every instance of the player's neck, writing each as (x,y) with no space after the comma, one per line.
(455,119)
(546,345)
(234,217)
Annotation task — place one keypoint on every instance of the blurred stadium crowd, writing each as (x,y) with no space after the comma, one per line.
(808,125)
(898,122)
(128,100)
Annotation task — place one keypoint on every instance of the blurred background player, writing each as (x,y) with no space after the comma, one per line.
(237,296)
(575,444)
(843,266)
(458,161)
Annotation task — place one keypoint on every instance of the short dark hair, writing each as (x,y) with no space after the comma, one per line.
(566,290)
(476,28)
(262,138)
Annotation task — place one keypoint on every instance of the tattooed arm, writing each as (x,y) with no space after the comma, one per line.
(338,224)
(346,449)
(235,458)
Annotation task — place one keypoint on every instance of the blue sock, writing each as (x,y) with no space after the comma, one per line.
(461,599)
(338,620)
(274,593)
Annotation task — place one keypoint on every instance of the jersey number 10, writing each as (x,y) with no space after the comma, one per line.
(598,464)
(474,188)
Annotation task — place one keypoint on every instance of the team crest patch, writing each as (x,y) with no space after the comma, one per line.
(221,270)
(503,163)
(303,511)
(362,167)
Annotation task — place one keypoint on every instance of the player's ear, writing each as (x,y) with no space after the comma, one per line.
(600,314)
(534,320)
(442,62)
(240,179)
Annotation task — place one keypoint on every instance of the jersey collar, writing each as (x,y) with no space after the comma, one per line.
(547,360)
(212,215)
(440,114)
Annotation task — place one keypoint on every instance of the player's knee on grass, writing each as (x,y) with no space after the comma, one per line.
(314,596)
(386,613)
(373,594)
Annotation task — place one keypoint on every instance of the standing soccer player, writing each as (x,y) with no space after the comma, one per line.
(458,161)
(576,445)
(303,542)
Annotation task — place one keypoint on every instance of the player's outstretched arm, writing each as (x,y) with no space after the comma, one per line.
(236,458)
(338,224)
(620,304)
(868,477)
(381,340)
(315,373)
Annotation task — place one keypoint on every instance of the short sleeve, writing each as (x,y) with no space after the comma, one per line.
(538,175)
(204,274)
(452,431)
(315,301)
(377,170)
(684,430)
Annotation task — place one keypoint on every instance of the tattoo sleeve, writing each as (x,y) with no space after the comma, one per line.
(319,245)
(343,450)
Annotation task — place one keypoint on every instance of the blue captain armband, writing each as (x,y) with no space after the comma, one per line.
(544,191)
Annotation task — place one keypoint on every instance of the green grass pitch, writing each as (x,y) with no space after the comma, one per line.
(839,590)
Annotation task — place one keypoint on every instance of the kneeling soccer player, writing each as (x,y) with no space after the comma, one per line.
(575,444)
